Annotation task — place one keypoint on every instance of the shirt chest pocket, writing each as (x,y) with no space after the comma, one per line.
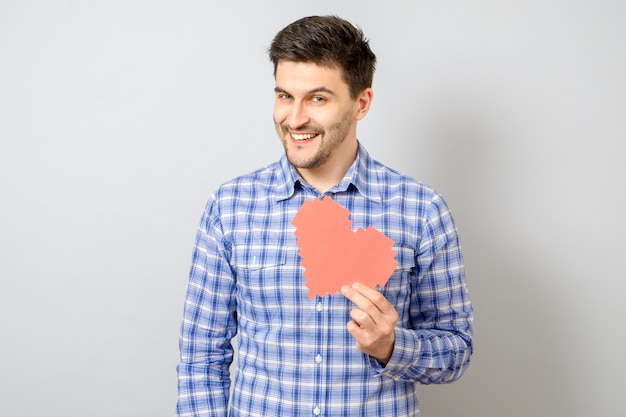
(398,288)
(405,257)
(261,275)
(255,259)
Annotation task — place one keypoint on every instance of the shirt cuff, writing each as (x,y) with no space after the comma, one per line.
(407,355)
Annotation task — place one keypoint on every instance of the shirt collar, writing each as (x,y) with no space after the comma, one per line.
(289,176)
(362,174)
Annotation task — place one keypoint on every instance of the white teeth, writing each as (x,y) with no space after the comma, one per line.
(303,136)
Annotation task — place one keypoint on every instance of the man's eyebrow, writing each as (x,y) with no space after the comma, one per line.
(313,91)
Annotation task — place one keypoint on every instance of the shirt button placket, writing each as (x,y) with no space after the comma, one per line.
(319,308)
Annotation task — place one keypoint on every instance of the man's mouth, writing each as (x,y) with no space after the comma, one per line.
(303,136)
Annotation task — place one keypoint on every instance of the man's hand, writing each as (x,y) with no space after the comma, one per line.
(373,322)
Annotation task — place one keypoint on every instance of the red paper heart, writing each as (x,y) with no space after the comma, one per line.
(333,255)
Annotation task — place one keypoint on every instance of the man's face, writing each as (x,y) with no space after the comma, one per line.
(315,116)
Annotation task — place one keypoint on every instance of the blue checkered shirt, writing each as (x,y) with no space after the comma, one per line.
(295,356)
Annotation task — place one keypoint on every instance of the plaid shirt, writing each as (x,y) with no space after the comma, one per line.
(295,356)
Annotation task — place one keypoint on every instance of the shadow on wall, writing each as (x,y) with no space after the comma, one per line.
(522,364)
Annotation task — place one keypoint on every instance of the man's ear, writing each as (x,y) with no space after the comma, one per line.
(364,101)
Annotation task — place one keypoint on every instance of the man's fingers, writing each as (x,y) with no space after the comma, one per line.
(367,299)
(360,317)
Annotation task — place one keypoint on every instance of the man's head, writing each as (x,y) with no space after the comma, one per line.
(327,41)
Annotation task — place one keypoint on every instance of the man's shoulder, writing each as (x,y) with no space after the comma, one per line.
(266,177)
(395,180)
(411,194)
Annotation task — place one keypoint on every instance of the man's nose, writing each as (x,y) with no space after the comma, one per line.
(297,116)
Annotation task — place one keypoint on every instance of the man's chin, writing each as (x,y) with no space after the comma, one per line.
(302,163)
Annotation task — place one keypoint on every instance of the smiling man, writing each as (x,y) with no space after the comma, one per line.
(360,352)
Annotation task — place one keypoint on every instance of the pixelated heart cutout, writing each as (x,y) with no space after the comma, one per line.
(333,255)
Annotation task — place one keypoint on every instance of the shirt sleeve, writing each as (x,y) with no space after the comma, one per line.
(438,348)
(208,325)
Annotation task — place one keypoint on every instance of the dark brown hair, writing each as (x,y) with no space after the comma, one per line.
(327,41)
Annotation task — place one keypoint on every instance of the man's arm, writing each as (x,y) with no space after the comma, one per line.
(438,348)
(208,326)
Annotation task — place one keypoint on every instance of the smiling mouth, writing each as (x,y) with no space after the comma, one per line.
(303,136)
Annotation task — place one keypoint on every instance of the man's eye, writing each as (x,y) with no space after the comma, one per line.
(318,99)
(284,96)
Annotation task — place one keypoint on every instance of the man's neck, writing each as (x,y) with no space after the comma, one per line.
(325,177)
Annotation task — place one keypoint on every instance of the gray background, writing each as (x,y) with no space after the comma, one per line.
(118,118)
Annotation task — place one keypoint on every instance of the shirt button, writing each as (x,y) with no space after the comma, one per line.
(317,411)
(319,307)
(318,358)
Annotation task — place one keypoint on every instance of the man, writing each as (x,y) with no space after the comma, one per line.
(296,355)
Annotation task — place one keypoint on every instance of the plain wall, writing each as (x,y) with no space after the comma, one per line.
(118,118)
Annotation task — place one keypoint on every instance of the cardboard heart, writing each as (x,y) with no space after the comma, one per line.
(333,255)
